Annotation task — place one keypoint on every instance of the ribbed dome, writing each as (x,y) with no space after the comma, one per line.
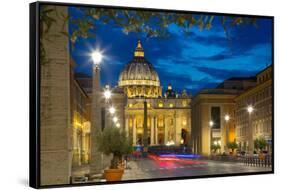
(139,71)
(139,75)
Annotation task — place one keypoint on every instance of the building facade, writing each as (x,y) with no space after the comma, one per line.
(80,121)
(213,115)
(250,126)
(168,115)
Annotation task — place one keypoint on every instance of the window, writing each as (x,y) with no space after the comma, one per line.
(215,117)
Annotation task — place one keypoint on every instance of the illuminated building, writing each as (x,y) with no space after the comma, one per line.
(213,115)
(168,118)
(80,122)
(250,126)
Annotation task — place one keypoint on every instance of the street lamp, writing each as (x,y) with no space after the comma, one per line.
(211,123)
(97,57)
(115,119)
(112,110)
(226,118)
(250,109)
(107,94)
(96,120)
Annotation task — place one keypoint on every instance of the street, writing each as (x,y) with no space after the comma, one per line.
(148,168)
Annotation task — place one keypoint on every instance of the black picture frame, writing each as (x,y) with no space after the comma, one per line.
(34,96)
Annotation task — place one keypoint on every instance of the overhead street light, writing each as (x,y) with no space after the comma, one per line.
(112,110)
(107,94)
(250,109)
(115,119)
(226,117)
(97,57)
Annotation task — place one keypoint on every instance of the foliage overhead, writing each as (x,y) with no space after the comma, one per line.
(149,23)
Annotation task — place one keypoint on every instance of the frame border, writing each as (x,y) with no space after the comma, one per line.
(34,95)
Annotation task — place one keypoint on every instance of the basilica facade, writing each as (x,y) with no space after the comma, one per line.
(168,114)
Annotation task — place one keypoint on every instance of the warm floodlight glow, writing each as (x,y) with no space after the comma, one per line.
(169,143)
(211,123)
(226,117)
(182,141)
(97,57)
(115,119)
(112,110)
(117,125)
(250,109)
(107,94)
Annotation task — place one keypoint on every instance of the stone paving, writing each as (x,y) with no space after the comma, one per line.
(148,169)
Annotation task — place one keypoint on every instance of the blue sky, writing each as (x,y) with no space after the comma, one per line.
(201,59)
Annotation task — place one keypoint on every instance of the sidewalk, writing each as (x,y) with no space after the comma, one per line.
(135,172)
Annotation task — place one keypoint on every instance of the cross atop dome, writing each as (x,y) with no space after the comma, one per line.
(139,50)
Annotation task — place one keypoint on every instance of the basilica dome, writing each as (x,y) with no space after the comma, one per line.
(139,77)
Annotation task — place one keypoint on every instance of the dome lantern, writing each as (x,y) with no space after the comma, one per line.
(139,50)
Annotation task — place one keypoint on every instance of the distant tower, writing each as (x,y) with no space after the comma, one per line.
(170,93)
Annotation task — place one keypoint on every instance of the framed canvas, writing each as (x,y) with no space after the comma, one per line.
(120,94)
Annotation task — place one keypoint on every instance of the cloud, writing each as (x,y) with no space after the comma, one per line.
(198,60)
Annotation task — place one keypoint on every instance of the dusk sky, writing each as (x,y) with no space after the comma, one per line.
(201,59)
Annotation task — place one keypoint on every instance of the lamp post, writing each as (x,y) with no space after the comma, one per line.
(211,124)
(250,109)
(96,156)
(226,119)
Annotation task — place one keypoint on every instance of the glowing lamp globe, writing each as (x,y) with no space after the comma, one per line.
(115,119)
(226,117)
(112,110)
(107,94)
(97,57)
(250,109)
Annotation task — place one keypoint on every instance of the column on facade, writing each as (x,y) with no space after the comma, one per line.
(127,125)
(83,147)
(165,130)
(156,129)
(79,145)
(134,129)
(175,128)
(227,125)
(75,147)
(152,130)
(194,145)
